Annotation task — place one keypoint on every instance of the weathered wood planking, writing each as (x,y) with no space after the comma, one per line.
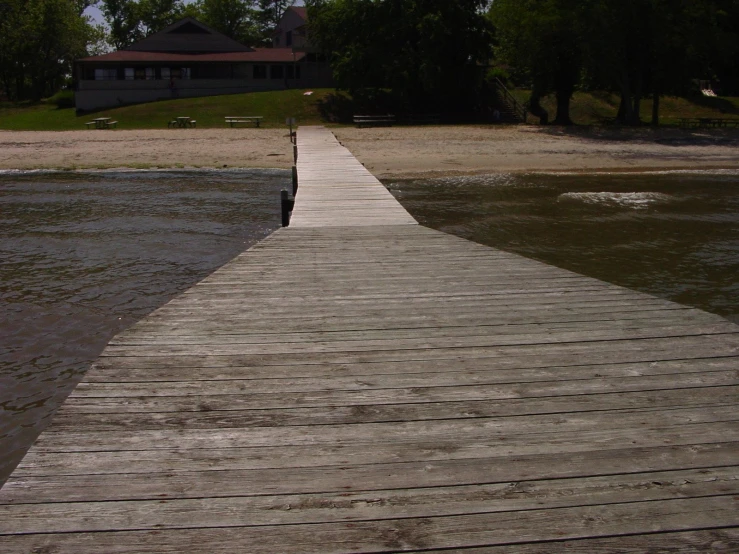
(358,383)
(335,190)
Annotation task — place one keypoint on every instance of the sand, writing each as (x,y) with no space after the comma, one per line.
(168,148)
(388,152)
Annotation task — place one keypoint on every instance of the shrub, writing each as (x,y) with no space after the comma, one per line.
(63,99)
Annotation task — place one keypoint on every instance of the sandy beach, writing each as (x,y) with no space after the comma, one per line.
(145,149)
(387,152)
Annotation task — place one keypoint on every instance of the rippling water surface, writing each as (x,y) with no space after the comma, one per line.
(671,234)
(85,255)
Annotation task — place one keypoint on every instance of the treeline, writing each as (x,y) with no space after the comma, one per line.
(432,53)
(40,39)
(247,21)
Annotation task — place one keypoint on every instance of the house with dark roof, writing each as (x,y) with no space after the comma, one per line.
(189,59)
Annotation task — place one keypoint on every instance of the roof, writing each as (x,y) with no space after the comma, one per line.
(302,11)
(188,35)
(267,55)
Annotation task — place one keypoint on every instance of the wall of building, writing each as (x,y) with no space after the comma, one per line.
(96,95)
(289,23)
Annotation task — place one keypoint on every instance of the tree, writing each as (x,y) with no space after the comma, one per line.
(157,14)
(124,21)
(267,14)
(429,53)
(643,47)
(132,20)
(39,40)
(234,18)
(542,40)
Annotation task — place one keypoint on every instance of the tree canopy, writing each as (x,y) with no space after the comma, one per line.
(247,21)
(429,53)
(39,40)
(636,47)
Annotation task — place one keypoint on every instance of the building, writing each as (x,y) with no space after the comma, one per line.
(189,59)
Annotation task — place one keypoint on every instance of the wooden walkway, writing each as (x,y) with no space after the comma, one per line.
(345,386)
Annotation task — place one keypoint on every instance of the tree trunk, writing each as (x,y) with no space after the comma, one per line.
(625,109)
(563,109)
(636,112)
(536,108)
(655,108)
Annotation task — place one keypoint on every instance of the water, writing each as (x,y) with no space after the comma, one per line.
(85,255)
(671,234)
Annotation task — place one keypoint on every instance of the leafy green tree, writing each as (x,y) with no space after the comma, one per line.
(542,41)
(124,20)
(429,53)
(267,14)
(648,47)
(131,20)
(39,40)
(157,14)
(234,18)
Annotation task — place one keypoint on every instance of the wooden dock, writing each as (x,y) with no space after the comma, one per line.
(359,383)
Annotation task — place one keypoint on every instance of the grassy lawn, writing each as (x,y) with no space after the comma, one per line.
(594,108)
(208,111)
(324,105)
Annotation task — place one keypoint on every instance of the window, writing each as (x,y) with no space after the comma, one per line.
(150,74)
(180,73)
(129,73)
(276,72)
(241,71)
(165,73)
(289,38)
(260,71)
(106,74)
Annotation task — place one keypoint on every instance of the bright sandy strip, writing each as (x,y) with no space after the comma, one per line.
(387,152)
(146,148)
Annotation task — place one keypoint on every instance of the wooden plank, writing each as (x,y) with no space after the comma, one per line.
(723,540)
(395,375)
(374,391)
(213,412)
(406,534)
(345,466)
(483,498)
(453,432)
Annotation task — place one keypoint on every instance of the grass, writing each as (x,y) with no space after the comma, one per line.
(324,105)
(596,108)
(208,111)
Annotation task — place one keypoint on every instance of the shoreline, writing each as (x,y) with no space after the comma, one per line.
(388,152)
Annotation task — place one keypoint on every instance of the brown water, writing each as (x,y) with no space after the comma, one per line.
(672,234)
(85,255)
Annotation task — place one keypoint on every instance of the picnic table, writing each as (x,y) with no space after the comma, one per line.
(182,122)
(102,123)
(236,119)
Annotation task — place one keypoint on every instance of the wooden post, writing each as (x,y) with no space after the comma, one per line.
(287,203)
(293,136)
(295,153)
(295,180)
